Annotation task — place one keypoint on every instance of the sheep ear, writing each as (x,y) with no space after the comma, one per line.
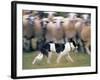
(62,21)
(54,22)
(28,18)
(47,21)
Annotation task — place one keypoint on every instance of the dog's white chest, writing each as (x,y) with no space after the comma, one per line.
(52,47)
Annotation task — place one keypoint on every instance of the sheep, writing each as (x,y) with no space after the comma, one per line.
(86,33)
(32,27)
(69,26)
(28,32)
(54,30)
(83,30)
(74,28)
(50,15)
(86,37)
(27,27)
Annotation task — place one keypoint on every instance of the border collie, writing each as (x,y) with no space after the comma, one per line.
(62,49)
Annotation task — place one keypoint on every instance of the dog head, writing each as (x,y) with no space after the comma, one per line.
(73,43)
(73,46)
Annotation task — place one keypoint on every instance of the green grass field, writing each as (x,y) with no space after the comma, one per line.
(80,59)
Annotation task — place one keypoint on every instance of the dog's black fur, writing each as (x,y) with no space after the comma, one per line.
(44,47)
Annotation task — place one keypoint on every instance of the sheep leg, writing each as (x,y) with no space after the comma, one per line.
(87,47)
(81,46)
(87,50)
(26,44)
(75,40)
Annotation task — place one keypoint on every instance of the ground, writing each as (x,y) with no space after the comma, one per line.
(80,59)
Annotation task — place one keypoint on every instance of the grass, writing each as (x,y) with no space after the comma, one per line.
(80,59)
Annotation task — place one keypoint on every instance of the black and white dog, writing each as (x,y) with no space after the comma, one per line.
(46,49)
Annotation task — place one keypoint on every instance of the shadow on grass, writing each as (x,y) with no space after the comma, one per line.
(80,60)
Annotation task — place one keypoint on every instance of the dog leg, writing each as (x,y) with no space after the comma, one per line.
(38,58)
(49,57)
(69,57)
(58,58)
(33,62)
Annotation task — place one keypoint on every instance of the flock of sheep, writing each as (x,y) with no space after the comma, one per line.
(49,26)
